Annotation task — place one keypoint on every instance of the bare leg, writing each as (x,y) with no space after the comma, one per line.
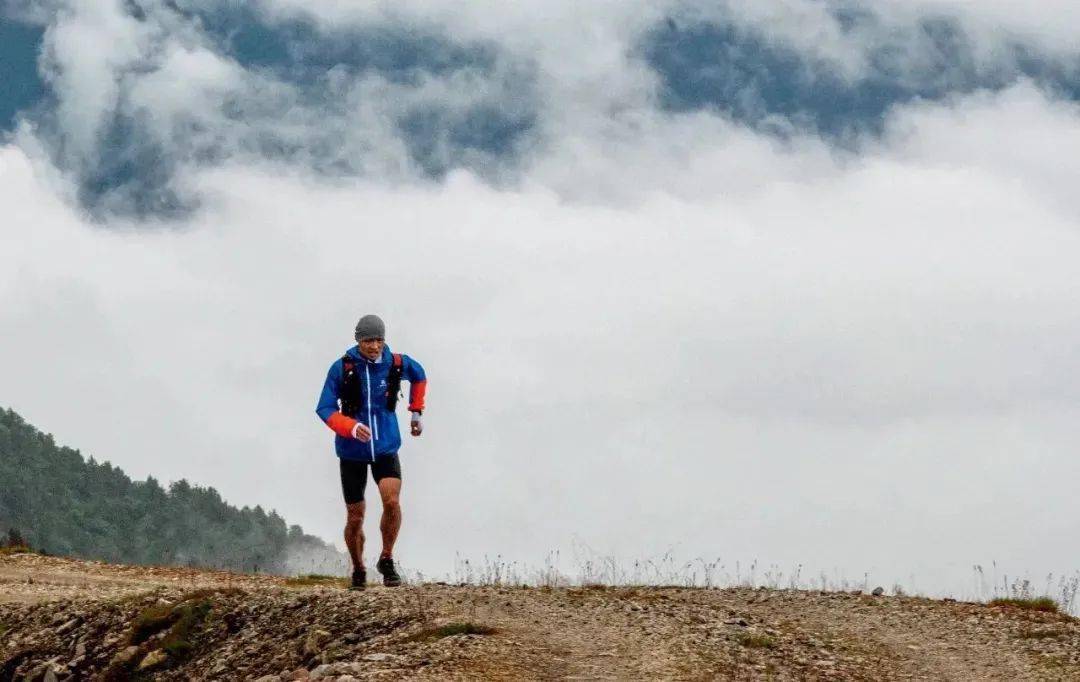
(390,491)
(354,533)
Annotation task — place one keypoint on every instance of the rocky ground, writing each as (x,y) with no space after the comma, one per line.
(62,619)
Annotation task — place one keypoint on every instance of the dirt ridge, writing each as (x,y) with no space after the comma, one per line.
(63,619)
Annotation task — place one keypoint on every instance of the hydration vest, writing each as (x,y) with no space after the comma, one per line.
(352,389)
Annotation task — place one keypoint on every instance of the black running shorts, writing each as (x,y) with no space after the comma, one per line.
(354,475)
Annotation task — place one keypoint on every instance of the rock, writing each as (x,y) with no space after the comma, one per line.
(153,660)
(741,622)
(50,676)
(314,642)
(380,657)
(298,674)
(323,671)
(351,638)
(67,627)
(80,650)
(878,591)
(268,678)
(126,656)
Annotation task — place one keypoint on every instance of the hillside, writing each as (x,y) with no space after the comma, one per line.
(81,620)
(65,504)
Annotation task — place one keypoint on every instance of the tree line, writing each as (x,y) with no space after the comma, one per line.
(59,502)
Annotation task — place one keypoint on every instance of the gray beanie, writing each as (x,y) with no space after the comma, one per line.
(370,327)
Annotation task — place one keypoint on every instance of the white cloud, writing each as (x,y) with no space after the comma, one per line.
(745,349)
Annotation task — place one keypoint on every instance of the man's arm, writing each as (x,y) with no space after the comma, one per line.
(417,379)
(328,411)
(414,373)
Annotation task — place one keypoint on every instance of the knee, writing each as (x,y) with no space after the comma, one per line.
(354,514)
(391,503)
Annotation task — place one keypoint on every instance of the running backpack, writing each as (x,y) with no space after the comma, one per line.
(352,391)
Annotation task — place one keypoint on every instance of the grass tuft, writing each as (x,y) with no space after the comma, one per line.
(1042,634)
(753,640)
(316,580)
(1045,604)
(152,621)
(177,643)
(17,549)
(451,629)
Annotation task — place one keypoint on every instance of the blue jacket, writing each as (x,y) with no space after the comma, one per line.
(386,438)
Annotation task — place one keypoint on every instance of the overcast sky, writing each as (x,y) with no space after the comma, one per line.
(784,281)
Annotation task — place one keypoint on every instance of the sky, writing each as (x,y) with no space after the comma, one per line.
(789,282)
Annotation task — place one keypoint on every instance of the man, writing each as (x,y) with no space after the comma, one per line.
(365,381)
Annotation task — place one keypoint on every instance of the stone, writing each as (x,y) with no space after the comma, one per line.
(268,678)
(380,657)
(153,660)
(126,656)
(878,591)
(67,627)
(314,642)
(298,674)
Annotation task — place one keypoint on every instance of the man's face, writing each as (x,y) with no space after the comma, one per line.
(371,348)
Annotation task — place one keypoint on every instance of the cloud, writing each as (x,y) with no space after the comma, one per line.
(411,91)
(837,69)
(698,337)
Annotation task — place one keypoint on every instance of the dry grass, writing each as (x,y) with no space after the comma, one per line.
(316,580)
(753,640)
(17,549)
(451,629)
(1044,604)
(177,643)
(1042,634)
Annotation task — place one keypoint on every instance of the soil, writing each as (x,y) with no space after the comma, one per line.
(63,619)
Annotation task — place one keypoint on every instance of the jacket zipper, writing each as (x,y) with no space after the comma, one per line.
(374,426)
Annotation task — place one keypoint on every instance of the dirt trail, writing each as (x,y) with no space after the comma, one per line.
(77,620)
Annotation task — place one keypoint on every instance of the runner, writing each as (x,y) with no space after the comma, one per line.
(358,402)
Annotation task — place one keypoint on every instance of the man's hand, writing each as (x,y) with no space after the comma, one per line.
(417,427)
(361,433)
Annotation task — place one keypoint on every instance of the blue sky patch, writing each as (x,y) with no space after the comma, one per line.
(735,71)
(20,85)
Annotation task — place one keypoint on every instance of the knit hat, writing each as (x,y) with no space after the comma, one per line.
(370,327)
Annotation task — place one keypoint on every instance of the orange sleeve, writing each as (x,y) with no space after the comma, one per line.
(417,391)
(341,425)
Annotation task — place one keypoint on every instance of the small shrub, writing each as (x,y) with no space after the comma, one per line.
(14,539)
(152,621)
(16,549)
(1042,634)
(451,629)
(177,643)
(753,640)
(1045,604)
